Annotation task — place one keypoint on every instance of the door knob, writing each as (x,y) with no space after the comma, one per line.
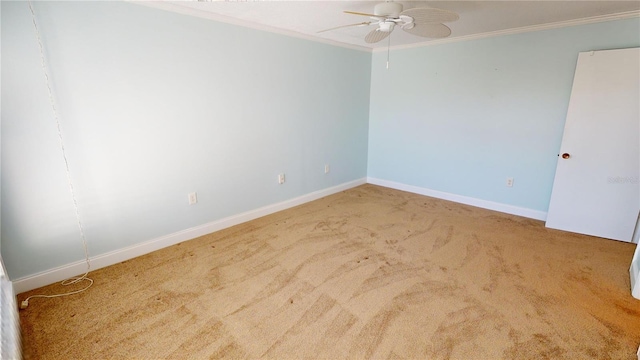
(566,155)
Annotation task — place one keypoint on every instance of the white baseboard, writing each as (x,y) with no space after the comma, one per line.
(99,261)
(485,204)
(634,274)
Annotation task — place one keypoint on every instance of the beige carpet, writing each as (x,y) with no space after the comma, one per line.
(366,273)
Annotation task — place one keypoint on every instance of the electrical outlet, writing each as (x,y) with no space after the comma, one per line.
(281,179)
(326,169)
(510,182)
(193,198)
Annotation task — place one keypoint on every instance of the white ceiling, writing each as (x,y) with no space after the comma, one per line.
(477,18)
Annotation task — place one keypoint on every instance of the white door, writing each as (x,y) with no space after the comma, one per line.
(596,190)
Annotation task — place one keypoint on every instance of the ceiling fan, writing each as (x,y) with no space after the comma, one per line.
(422,21)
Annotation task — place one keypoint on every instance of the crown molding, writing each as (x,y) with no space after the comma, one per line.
(524,29)
(185,10)
(176,7)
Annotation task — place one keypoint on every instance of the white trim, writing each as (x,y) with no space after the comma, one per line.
(99,261)
(485,204)
(185,10)
(3,270)
(524,29)
(634,273)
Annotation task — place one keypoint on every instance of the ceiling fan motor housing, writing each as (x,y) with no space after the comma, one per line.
(386,26)
(388,9)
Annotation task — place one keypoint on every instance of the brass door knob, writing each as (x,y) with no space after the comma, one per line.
(566,155)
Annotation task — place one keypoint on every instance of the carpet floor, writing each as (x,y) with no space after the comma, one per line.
(368,273)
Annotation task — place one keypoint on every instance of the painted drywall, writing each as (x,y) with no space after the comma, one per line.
(154,105)
(462,117)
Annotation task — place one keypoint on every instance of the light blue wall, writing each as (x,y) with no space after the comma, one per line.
(154,105)
(462,117)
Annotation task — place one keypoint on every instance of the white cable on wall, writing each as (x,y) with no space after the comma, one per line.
(73,280)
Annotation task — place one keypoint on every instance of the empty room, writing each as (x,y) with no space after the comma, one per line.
(320,179)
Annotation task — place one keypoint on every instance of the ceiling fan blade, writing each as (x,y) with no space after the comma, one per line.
(429,30)
(376,35)
(344,26)
(359,13)
(430,15)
